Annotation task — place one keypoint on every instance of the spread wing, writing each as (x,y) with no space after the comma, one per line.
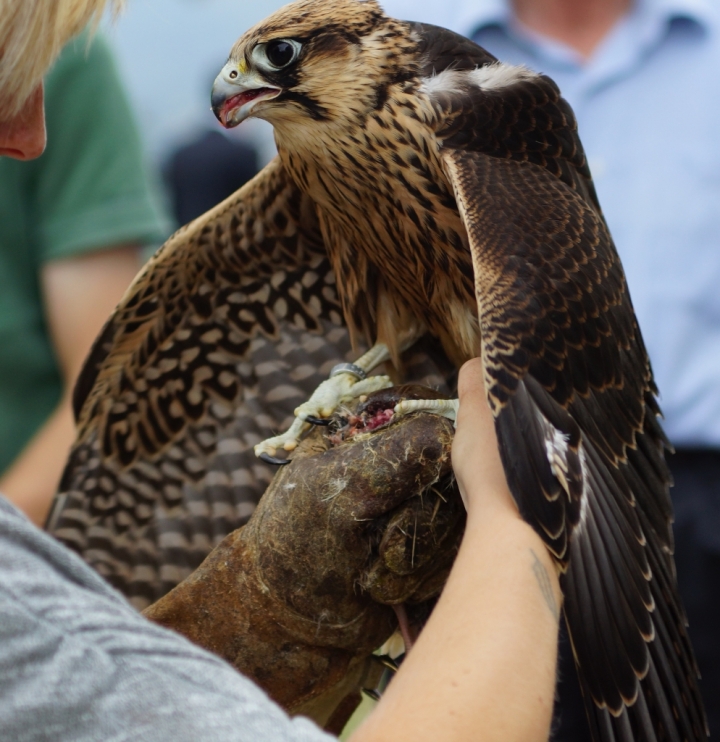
(571,388)
(229,327)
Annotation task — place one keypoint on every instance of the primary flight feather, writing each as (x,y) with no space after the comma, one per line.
(421,187)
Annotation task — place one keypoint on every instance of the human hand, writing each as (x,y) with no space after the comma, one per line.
(475,455)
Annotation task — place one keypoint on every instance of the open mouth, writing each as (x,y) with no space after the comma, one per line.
(235,103)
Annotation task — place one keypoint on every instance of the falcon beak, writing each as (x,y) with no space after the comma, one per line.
(235,93)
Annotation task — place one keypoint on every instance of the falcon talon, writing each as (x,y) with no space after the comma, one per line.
(268,459)
(317,420)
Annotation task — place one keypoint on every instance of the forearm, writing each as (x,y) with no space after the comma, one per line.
(32,479)
(79,293)
(484,666)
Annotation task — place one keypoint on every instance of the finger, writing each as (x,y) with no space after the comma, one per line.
(475,455)
(474,409)
(470,380)
(474,412)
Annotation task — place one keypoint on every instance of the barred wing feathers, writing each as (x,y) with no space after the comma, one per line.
(229,327)
(571,388)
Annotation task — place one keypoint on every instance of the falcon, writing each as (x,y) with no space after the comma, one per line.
(422,187)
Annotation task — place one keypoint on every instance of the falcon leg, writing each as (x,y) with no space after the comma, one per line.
(409,634)
(346,381)
(445,407)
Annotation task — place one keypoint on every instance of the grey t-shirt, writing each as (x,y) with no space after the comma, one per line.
(77,663)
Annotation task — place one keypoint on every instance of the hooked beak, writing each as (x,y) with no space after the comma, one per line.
(236,93)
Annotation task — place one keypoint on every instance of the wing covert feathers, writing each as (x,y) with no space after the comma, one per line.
(252,261)
(228,328)
(571,387)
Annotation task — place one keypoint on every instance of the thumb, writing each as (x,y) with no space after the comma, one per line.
(475,454)
(471,382)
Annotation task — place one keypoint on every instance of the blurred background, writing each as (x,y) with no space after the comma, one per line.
(168,53)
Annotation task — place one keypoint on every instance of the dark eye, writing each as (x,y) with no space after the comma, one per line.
(279,53)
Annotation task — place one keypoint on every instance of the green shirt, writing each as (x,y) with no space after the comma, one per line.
(89,190)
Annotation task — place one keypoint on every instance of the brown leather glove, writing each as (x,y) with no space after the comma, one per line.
(299,597)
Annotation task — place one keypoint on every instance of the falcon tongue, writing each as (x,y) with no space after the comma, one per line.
(235,103)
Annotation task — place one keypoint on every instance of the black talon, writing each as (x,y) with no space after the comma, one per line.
(268,459)
(317,420)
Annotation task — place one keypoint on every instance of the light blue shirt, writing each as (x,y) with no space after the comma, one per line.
(648,109)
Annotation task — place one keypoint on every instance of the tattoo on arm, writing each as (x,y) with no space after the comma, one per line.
(543,580)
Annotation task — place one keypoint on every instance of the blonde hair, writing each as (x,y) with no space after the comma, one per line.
(32,33)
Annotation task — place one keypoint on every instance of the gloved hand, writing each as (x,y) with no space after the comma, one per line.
(299,597)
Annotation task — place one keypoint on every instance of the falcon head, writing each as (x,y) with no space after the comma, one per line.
(311,61)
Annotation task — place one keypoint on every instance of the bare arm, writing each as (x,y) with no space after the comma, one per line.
(484,666)
(79,294)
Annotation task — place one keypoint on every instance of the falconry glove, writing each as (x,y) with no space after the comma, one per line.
(299,598)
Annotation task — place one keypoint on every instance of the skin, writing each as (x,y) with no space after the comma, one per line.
(23,136)
(494,628)
(581,24)
(74,319)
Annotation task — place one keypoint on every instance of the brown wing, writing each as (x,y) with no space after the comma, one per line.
(570,385)
(526,120)
(229,327)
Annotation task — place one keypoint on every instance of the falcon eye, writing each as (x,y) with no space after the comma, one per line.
(276,54)
(281,52)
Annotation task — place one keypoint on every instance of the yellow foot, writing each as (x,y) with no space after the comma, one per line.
(347,381)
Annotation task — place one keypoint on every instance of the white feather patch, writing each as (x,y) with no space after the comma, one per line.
(499,75)
(489,77)
(447,81)
(585,492)
(556,449)
(556,446)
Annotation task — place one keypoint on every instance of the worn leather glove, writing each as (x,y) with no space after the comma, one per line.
(364,517)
